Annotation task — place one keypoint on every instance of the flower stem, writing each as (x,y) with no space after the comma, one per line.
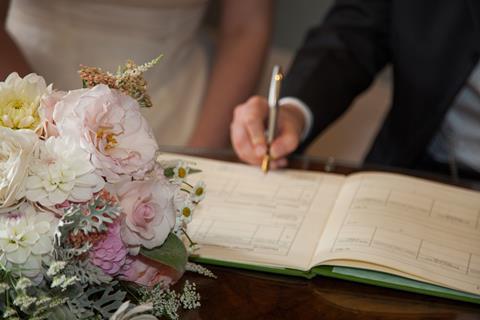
(188,184)
(192,243)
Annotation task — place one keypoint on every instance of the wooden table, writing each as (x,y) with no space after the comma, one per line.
(241,294)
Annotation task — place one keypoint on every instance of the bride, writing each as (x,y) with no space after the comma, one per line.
(192,93)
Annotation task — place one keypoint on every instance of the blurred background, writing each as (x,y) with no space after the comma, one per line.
(349,138)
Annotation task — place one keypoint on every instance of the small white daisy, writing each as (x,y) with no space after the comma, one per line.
(198,192)
(186,211)
(181,171)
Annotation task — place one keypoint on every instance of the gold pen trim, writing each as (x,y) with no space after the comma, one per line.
(266,163)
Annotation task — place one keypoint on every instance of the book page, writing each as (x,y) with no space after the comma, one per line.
(272,219)
(405,226)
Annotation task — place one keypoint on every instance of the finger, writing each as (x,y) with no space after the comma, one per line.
(253,114)
(242,144)
(258,103)
(285,144)
(278,164)
(256,131)
(260,150)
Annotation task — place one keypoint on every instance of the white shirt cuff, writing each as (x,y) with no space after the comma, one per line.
(307,113)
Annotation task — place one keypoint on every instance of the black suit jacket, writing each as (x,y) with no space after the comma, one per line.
(433,45)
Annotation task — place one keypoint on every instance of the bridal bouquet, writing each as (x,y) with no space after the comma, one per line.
(92,226)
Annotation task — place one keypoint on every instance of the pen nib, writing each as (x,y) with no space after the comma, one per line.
(266,163)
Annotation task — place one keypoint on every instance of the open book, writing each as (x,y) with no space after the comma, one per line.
(380,228)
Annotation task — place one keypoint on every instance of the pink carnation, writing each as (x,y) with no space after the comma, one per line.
(149,213)
(149,273)
(109,126)
(110,253)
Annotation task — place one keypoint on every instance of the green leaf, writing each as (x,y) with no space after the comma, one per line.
(168,172)
(193,170)
(171,253)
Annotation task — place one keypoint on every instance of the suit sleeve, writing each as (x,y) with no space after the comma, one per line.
(339,59)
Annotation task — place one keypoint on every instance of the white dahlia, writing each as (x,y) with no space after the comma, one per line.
(62,171)
(20,99)
(26,240)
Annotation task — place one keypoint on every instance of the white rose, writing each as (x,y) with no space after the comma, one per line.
(16,149)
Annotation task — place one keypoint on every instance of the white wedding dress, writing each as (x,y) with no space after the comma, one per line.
(56,36)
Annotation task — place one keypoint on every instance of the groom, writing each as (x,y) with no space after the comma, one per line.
(433,46)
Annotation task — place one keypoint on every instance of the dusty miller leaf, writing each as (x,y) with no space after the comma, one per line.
(87,273)
(89,217)
(109,302)
(101,300)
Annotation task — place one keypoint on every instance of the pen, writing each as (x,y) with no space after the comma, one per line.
(273,94)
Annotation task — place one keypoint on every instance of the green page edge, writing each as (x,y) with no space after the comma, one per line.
(327,271)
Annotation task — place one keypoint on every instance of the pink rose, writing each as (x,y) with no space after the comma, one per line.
(45,111)
(149,273)
(149,212)
(109,126)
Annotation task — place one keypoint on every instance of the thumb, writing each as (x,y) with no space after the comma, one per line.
(285,143)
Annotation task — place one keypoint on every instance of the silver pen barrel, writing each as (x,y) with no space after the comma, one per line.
(273,94)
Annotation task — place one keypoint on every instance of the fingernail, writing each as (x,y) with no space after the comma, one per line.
(260,150)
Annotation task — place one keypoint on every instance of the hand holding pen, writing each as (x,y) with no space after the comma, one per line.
(248,132)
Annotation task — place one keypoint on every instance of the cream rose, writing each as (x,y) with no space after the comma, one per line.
(16,149)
